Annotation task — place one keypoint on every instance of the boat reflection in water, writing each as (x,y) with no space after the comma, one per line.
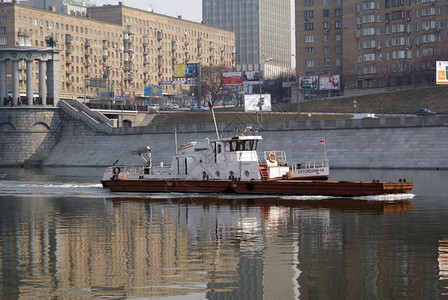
(385,204)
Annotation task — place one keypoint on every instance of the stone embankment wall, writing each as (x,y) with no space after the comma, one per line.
(407,142)
(28,134)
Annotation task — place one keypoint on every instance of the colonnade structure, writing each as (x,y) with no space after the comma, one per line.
(48,78)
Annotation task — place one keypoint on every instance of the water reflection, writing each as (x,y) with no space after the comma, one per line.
(163,247)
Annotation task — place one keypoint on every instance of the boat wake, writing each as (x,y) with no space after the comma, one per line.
(39,189)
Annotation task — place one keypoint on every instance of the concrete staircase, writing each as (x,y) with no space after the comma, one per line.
(95,120)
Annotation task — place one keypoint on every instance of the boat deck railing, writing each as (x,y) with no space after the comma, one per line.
(124,169)
(280,156)
(310,165)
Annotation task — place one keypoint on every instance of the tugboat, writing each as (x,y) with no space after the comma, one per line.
(232,165)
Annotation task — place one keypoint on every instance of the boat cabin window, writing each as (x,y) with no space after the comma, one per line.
(241,145)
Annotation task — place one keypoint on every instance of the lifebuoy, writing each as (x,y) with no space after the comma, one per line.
(116,170)
(271,157)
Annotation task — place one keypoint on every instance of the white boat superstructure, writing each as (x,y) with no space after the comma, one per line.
(233,158)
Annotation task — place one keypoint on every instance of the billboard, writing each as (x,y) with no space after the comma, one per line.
(100,92)
(251,76)
(186,70)
(309,83)
(252,103)
(329,82)
(153,90)
(442,72)
(231,78)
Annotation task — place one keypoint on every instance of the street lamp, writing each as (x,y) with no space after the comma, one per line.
(261,99)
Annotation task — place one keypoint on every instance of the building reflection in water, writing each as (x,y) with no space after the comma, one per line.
(239,248)
(443,262)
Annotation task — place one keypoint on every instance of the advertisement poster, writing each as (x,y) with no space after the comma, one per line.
(153,90)
(231,78)
(309,83)
(104,92)
(329,82)
(252,102)
(442,72)
(251,76)
(186,70)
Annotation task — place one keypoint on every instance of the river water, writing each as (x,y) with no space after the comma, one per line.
(62,236)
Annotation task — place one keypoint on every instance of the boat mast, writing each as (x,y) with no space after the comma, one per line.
(214,121)
(175,141)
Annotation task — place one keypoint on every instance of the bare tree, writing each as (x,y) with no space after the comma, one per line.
(211,80)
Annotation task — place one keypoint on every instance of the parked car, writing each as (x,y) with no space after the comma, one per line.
(424,112)
(165,107)
(154,107)
(174,106)
(199,108)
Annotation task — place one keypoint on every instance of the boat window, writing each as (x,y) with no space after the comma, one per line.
(227,147)
(234,146)
(253,144)
(214,147)
(219,148)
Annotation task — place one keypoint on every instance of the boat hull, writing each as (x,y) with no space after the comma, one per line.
(265,187)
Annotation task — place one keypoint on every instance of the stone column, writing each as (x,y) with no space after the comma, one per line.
(53,78)
(29,81)
(15,83)
(42,83)
(3,82)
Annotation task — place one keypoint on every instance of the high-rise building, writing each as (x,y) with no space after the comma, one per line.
(372,44)
(262,32)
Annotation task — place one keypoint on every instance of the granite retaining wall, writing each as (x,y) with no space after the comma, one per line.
(406,142)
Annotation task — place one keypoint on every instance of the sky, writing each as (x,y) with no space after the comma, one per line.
(188,9)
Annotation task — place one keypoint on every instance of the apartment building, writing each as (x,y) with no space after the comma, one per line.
(119,46)
(371,43)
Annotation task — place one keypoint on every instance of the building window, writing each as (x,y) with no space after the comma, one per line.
(326,37)
(309,63)
(397,15)
(338,36)
(326,2)
(309,38)
(3,41)
(325,13)
(2,19)
(326,25)
(309,50)
(368,5)
(309,26)
(428,11)
(338,49)
(396,3)
(337,12)
(326,50)
(327,62)
(309,2)
(368,31)
(338,24)
(309,14)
